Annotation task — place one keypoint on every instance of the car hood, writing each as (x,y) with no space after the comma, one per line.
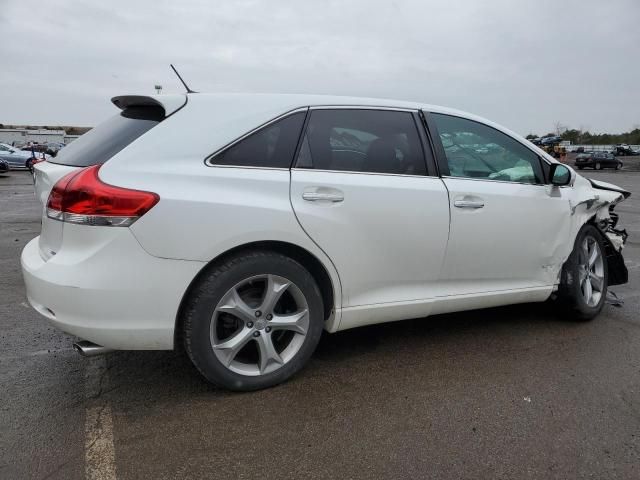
(610,187)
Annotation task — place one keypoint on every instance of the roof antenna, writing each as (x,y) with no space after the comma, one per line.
(183,82)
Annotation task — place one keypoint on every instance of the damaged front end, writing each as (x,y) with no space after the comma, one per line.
(614,240)
(606,197)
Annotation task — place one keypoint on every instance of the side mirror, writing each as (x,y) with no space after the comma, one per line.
(560,175)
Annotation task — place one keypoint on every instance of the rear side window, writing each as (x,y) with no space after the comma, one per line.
(375,141)
(273,146)
(102,142)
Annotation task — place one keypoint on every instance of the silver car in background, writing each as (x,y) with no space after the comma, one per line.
(16,158)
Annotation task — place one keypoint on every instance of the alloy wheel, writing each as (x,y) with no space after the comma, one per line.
(259,325)
(591,271)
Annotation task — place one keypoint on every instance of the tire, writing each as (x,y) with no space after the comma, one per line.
(573,291)
(227,303)
(598,166)
(618,165)
(580,168)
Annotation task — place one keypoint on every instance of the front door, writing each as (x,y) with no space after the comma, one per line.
(508,227)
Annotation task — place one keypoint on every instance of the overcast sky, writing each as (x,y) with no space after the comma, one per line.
(526,64)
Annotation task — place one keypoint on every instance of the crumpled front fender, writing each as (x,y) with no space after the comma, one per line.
(593,202)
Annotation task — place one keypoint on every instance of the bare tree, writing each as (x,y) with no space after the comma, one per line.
(559,128)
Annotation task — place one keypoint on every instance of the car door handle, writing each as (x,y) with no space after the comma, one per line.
(322,194)
(468,203)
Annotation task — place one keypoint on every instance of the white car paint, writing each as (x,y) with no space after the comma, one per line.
(393,248)
(529,218)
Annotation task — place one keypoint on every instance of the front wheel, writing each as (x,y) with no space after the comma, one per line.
(584,277)
(253,321)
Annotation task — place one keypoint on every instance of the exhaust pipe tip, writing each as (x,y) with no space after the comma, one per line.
(89,349)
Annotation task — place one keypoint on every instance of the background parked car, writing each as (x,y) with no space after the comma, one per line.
(625,150)
(17,159)
(550,140)
(598,161)
(53,148)
(36,147)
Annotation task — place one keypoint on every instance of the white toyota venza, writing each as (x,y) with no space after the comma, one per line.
(242,226)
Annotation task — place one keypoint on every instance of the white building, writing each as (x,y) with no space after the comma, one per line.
(22,135)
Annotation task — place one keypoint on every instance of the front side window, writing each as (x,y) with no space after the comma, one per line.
(375,141)
(475,150)
(273,146)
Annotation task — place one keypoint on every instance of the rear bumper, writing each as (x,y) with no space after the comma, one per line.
(113,294)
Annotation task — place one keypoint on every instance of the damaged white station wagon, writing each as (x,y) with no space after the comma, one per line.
(242,226)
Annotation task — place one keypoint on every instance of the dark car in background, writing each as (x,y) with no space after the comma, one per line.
(597,160)
(51,148)
(625,150)
(36,147)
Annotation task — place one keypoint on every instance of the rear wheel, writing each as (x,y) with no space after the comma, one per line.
(618,165)
(253,321)
(583,283)
(598,166)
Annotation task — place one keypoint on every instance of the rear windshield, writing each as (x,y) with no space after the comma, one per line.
(102,142)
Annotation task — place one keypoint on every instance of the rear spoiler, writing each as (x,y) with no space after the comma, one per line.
(169,103)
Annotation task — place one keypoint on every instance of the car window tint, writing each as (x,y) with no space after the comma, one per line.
(376,141)
(474,150)
(272,146)
(107,139)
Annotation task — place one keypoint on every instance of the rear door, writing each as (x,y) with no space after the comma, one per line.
(508,226)
(362,191)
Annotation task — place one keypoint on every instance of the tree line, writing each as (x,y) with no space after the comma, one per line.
(580,137)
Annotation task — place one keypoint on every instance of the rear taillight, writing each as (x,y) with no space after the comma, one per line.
(81,197)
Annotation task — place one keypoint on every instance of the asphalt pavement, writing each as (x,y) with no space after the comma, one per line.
(515,392)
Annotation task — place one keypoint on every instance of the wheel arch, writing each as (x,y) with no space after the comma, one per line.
(316,268)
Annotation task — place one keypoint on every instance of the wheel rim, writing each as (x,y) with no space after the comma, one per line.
(591,271)
(259,325)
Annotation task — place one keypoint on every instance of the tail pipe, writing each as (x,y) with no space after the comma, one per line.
(88,349)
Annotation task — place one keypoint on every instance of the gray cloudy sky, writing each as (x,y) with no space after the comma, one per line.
(523,63)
